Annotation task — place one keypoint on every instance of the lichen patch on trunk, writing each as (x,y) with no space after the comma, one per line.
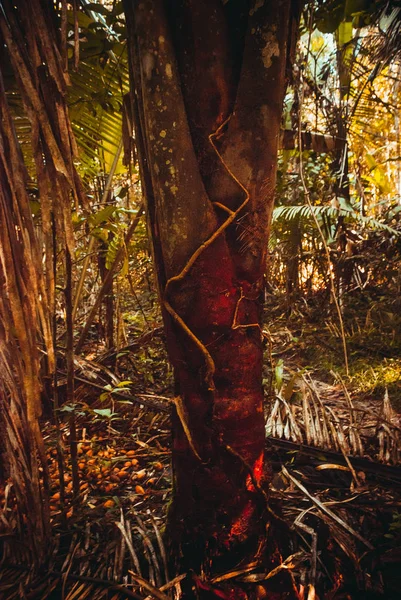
(258,4)
(271,48)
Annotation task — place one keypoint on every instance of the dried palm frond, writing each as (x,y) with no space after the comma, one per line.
(388,433)
(312,423)
(325,510)
(21,314)
(315,423)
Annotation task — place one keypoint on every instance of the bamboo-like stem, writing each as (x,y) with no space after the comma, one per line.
(70,372)
(59,446)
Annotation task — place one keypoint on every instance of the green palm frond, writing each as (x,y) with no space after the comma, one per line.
(283,215)
(95,100)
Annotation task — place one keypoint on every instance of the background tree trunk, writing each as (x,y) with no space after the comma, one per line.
(208,84)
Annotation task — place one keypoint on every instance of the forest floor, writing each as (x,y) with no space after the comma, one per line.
(339,489)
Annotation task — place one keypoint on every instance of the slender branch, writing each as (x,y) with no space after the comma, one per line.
(108,279)
(92,240)
(317,142)
(70,372)
(59,443)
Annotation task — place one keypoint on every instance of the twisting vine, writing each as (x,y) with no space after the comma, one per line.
(210,366)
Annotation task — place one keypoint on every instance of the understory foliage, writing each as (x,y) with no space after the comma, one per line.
(79,302)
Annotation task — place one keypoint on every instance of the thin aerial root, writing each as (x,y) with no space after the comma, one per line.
(181,412)
(235,324)
(223,207)
(210,366)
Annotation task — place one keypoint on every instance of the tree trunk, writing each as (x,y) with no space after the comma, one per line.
(208,84)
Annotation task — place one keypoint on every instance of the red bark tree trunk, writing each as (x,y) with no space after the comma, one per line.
(208,85)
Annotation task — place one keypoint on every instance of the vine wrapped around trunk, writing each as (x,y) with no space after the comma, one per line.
(208,84)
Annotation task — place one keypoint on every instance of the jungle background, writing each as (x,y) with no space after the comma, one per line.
(86,388)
